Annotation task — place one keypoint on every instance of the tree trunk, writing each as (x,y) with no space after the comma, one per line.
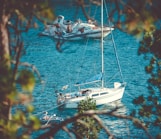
(4,55)
(4,40)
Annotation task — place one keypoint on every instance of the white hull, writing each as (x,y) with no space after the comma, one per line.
(78,30)
(100,95)
(94,34)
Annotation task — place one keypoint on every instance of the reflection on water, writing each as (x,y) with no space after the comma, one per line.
(118,126)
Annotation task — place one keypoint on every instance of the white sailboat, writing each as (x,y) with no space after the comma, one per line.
(68,30)
(102,95)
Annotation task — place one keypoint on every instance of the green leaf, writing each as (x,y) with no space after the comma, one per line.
(26,80)
(34,121)
(139,100)
(30,108)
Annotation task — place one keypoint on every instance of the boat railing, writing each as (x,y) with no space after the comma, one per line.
(53,117)
(50,117)
(86,83)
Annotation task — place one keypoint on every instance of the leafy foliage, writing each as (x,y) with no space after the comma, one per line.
(20,120)
(86,127)
(16,85)
(26,80)
(17,16)
(150,107)
(135,18)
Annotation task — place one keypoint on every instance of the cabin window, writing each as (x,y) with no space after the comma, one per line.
(94,95)
(104,93)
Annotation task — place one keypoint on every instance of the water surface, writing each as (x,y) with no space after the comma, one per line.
(79,60)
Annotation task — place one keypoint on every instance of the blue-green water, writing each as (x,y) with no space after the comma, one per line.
(58,69)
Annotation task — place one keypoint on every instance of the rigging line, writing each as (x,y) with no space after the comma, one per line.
(130,95)
(118,63)
(112,77)
(49,109)
(82,60)
(95,11)
(89,11)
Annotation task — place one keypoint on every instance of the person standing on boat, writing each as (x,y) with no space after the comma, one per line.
(59,25)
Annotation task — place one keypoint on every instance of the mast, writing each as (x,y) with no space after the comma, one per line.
(102,52)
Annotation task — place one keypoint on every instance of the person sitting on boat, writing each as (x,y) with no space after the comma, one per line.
(61,98)
(85,92)
(90,21)
(69,28)
(81,30)
(46,116)
(93,22)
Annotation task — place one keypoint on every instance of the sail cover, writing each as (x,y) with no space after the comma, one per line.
(93,79)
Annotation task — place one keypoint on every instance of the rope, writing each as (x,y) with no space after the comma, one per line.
(82,60)
(118,63)
(49,109)
(95,11)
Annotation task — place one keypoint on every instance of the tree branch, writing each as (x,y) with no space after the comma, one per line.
(54,130)
(30,66)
